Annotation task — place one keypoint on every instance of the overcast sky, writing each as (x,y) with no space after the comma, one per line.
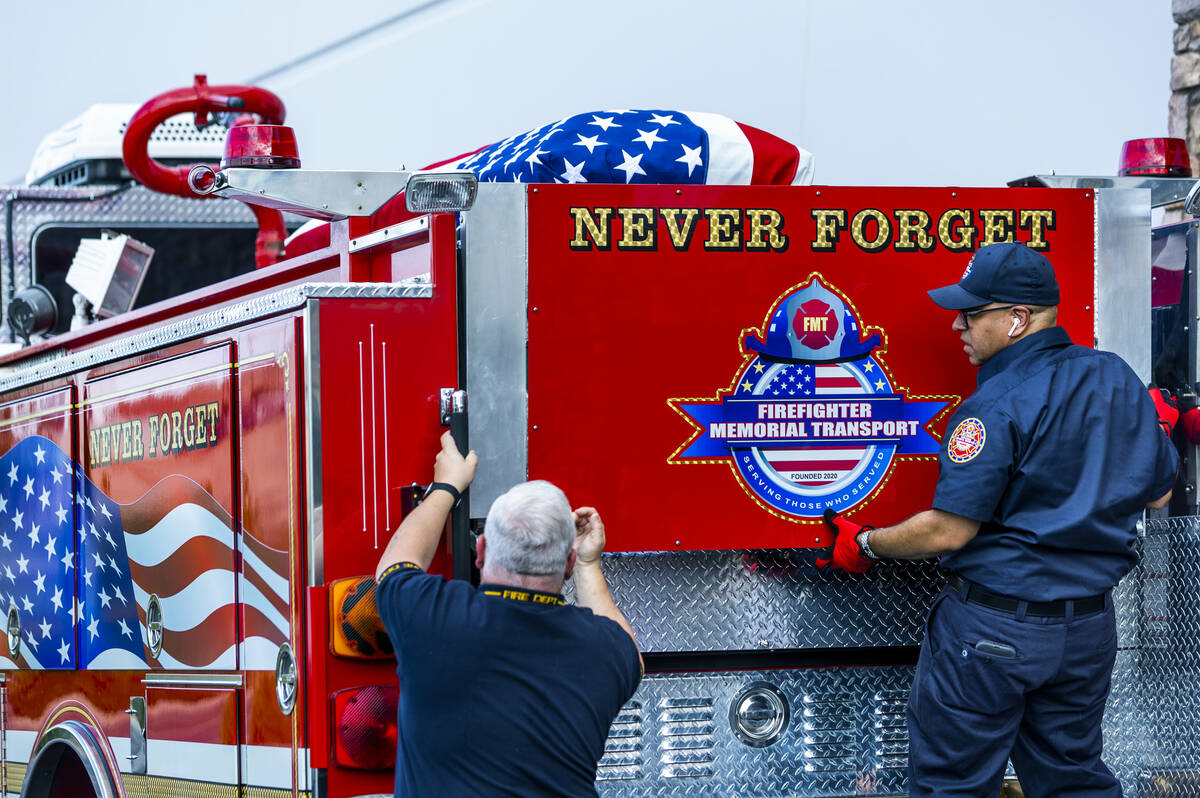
(939,92)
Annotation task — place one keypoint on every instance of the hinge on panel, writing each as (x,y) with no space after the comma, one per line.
(137,734)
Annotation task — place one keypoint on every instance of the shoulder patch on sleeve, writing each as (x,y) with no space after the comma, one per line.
(967,440)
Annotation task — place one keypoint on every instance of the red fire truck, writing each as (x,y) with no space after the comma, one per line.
(194,491)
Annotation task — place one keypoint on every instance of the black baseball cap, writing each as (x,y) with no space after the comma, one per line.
(1001,273)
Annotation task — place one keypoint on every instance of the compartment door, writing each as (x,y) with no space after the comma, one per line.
(272,556)
(193,736)
(156,530)
(37,516)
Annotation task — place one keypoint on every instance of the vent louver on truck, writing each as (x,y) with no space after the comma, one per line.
(891,729)
(623,752)
(829,732)
(687,730)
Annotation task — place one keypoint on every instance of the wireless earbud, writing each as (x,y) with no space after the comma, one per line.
(1013,329)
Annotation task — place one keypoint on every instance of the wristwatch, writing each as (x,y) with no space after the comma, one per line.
(446,486)
(864,545)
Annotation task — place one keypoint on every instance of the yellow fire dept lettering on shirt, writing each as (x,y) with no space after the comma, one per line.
(525,595)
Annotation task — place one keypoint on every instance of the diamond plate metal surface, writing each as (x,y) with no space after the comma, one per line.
(57,364)
(755,600)
(847,734)
(1152,726)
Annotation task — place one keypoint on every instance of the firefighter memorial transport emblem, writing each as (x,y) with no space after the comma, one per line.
(814,419)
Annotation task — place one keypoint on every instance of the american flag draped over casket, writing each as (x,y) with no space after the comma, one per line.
(626,146)
(641,146)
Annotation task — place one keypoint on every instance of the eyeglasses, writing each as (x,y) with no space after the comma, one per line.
(965,316)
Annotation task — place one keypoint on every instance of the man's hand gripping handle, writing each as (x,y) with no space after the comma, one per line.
(845,553)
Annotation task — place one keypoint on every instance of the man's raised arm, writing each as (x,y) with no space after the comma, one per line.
(417,538)
(591,590)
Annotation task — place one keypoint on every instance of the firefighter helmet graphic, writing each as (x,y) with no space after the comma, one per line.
(813,325)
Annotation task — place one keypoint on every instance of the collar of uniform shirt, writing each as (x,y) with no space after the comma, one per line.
(1049,338)
(521,594)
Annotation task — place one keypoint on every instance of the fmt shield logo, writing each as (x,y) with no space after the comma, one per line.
(813,419)
(967,440)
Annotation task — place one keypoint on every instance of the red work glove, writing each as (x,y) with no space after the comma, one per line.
(845,554)
(1167,409)
(1190,422)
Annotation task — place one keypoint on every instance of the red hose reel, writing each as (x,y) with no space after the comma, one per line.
(256,138)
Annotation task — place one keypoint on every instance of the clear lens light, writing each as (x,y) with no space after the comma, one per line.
(440,191)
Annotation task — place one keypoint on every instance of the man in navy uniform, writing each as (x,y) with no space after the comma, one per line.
(505,690)
(1044,472)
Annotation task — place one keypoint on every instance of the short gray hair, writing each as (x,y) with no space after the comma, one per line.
(530,529)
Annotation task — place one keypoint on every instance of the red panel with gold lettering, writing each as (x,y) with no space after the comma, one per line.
(712,367)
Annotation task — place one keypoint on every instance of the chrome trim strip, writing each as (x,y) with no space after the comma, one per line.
(156,679)
(496,235)
(1163,190)
(1122,301)
(206,323)
(80,739)
(312,444)
(397,232)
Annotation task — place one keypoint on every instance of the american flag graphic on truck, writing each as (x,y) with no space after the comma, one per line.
(85,607)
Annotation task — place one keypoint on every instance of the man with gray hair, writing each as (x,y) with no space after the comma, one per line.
(505,689)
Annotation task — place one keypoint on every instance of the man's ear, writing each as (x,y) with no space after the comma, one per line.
(570,565)
(1020,325)
(480,546)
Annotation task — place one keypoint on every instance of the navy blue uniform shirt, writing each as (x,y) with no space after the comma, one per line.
(503,691)
(1057,452)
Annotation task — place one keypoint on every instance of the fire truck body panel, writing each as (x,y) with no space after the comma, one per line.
(244,391)
(169,432)
(326,372)
(223,396)
(599,324)
(636,328)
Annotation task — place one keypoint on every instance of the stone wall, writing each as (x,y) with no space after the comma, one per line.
(1183,116)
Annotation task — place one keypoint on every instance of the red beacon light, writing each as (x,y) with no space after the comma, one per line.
(1159,157)
(261,147)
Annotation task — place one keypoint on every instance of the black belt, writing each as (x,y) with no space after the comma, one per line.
(978,594)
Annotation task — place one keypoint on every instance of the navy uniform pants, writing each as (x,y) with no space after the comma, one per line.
(991,684)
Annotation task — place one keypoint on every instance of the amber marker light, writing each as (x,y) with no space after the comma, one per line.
(357,628)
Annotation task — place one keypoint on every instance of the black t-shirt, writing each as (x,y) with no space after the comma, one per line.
(503,691)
